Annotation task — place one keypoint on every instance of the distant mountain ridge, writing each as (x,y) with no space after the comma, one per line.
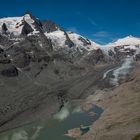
(72,46)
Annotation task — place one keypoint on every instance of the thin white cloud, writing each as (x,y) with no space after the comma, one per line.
(92,21)
(89,19)
(73,29)
(101,34)
(100,41)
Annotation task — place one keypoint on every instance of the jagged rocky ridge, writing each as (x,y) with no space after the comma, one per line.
(42,64)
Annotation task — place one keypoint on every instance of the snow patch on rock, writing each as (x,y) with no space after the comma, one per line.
(14,24)
(57,37)
(75,38)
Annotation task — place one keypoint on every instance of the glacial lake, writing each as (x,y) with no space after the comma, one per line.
(55,127)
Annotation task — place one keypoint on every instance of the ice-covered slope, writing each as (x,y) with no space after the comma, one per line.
(57,37)
(124,46)
(28,25)
(15,24)
(83,42)
(127,41)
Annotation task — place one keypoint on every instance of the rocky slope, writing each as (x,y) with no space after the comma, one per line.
(121,116)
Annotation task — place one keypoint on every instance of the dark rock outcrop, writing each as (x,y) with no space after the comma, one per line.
(26,29)
(49,26)
(22,60)
(96,57)
(3,57)
(10,72)
(137,57)
(5,41)
(85,41)
(4,28)
(68,41)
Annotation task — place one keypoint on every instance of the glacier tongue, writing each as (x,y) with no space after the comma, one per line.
(122,71)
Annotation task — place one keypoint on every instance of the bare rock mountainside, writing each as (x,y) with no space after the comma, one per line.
(42,66)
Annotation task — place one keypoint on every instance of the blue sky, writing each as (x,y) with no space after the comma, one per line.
(100,20)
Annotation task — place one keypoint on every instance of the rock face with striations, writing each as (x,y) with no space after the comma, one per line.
(26,29)
(49,26)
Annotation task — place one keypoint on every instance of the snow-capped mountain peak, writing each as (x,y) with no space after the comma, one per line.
(28,25)
(129,40)
(28,19)
(14,24)
(127,46)
(60,37)
(57,37)
(83,42)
